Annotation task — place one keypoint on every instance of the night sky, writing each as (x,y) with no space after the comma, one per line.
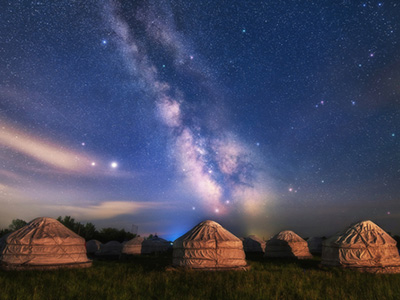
(260,115)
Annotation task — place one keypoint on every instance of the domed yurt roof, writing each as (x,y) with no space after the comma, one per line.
(43,243)
(155,244)
(209,246)
(253,243)
(133,246)
(287,244)
(92,246)
(363,246)
(112,248)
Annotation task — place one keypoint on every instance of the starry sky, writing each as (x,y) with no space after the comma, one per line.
(260,115)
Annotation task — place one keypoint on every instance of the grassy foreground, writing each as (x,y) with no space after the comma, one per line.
(145,278)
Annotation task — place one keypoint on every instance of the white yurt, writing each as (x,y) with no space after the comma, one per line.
(315,245)
(133,246)
(44,243)
(363,246)
(253,243)
(155,244)
(92,246)
(287,244)
(112,248)
(208,246)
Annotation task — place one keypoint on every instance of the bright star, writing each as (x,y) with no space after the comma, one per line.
(217,210)
(104,42)
(83,144)
(93,164)
(114,165)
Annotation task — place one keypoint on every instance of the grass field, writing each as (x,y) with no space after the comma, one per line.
(145,278)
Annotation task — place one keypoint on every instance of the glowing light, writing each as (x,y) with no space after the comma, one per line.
(290,189)
(217,210)
(83,144)
(193,208)
(114,165)
(227,202)
(104,42)
(93,163)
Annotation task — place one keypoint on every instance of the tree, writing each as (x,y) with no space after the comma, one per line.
(16,224)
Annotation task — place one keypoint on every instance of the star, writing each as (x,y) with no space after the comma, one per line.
(193,208)
(93,164)
(114,165)
(353,103)
(104,42)
(243,30)
(83,144)
(217,210)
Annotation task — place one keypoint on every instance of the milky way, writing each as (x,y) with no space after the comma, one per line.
(216,164)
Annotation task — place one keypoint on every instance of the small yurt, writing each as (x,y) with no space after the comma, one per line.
(43,243)
(315,245)
(92,246)
(287,244)
(110,249)
(209,246)
(133,246)
(155,244)
(253,243)
(363,246)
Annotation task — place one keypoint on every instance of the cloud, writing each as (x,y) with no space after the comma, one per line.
(108,209)
(50,154)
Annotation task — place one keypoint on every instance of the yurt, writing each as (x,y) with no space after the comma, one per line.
(110,249)
(133,246)
(363,246)
(43,243)
(208,246)
(287,244)
(92,246)
(315,245)
(253,243)
(155,244)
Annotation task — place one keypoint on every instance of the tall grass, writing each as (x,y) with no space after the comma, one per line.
(144,277)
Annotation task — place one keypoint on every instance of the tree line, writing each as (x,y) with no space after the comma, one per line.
(88,230)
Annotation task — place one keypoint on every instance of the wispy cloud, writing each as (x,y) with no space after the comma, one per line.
(48,153)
